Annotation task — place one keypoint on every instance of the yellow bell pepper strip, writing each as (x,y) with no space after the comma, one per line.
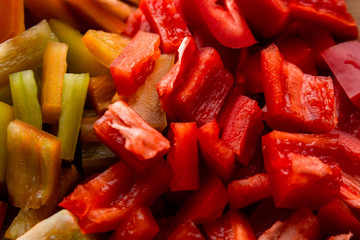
(54,68)
(72,105)
(119,8)
(6,116)
(12,18)
(79,58)
(101,91)
(33,165)
(146,100)
(25,98)
(24,51)
(104,46)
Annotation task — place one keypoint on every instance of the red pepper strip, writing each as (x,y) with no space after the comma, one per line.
(225,22)
(216,154)
(130,69)
(100,191)
(139,224)
(336,217)
(232,225)
(267,18)
(175,77)
(243,128)
(350,191)
(244,192)
(296,102)
(204,89)
(344,61)
(133,23)
(154,182)
(302,168)
(183,157)
(166,21)
(329,14)
(186,231)
(130,137)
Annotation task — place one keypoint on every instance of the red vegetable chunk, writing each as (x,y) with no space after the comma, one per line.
(344,61)
(166,21)
(130,137)
(139,224)
(230,226)
(183,157)
(295,101)
(130,69)
(350,191)
(186,231)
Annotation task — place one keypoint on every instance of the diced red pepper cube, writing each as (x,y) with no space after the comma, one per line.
(186,231)
(139,224)
(295,101)
(232,225)
(247,191)
(166,21)
(344,61)
(183,157)
(219,157)
(130,137)
(130,69)
(300,172)
(243,128)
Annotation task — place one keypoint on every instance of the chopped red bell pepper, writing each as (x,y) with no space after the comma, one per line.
(350,191)
(154,182)
(183,157)
(130,137)
(206,84)
(344,61)
(244,192)
(166,21)
(329,14)
(133,23)
(186,231)
(296,101)
(231,226)
(301,168)
(243,128)
(139,224)
(266,18)
(216,154)
(130,69)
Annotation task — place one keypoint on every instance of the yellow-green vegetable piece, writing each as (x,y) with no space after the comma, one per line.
(146,100)
(72,105)
(25,98)
(62,225)
(79,59)
(6,116)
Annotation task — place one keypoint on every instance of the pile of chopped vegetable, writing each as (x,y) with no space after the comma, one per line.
(179,120)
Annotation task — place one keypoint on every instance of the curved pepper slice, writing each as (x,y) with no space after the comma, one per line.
(188,230)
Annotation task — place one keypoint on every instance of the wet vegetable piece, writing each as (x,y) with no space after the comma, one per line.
(120,9)
(187,230)
(12,18)
(101,91)
(33,170)
(24,93)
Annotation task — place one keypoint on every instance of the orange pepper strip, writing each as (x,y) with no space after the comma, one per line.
(120,9)
(12,18)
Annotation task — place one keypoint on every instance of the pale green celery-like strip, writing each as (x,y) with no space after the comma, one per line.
(72,105)
(25,98)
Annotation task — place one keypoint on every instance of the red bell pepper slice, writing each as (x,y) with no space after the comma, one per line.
(100,191)
(219,157)
(267,20)
(243,128)
(206,84)
(232,225)
(139,224)
(296,102)
(344,61)
(154,182)
(336,217)
(130,69)
(244,192)
(183,157)
(225,22)
(329,14)
(345,236)
(301,168)
(130,137)
(186,231)
(136,22)
(175,77)
(350,191)
(166,21)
